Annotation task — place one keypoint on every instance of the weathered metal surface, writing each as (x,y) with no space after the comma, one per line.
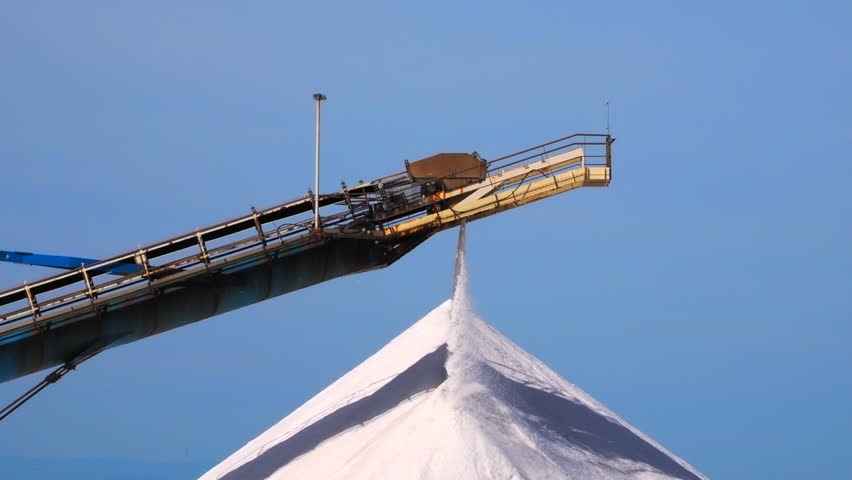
(277,250)
(509,188)
(453,169)
(180,303)
(265,217)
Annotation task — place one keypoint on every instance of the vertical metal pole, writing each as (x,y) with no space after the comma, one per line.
(319,98)
(609,151)
(609,141)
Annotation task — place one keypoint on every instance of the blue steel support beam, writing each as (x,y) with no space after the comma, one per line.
(64,262)
(213,292)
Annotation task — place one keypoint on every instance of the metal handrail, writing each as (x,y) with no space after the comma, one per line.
(360,208)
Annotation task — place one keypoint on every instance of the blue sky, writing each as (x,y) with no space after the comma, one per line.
(704,296)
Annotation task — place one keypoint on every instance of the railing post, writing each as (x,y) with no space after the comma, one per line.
(142,259)
(89,284)
(609,141)
(35,311)
(258,227)
(32,300)
(204,256)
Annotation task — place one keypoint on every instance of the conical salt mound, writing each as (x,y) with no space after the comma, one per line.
(452,398)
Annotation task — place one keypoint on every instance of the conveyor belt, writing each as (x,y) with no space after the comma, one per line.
(270,252)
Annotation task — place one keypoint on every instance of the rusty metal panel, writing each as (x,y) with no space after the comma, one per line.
(454,169)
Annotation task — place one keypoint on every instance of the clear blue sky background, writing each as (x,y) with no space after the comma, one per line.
(705,296)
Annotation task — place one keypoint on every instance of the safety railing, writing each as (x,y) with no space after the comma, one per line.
(180,254)
(281,227)
(597,152)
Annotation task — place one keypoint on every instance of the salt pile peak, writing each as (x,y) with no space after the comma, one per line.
(452,398)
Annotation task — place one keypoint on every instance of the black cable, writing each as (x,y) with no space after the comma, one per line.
(51,377)
(23,399)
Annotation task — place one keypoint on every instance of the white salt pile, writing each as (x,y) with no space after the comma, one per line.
(452,398)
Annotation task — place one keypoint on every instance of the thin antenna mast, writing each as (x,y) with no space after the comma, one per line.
(607,119)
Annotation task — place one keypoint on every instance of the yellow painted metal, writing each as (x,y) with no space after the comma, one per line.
(506,200)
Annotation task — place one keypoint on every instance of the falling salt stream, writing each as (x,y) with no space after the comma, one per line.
(451,397)
(461,300)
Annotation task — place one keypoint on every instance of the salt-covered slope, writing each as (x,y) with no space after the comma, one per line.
(452,398)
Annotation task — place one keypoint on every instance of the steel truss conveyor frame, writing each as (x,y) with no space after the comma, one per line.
(76,314)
